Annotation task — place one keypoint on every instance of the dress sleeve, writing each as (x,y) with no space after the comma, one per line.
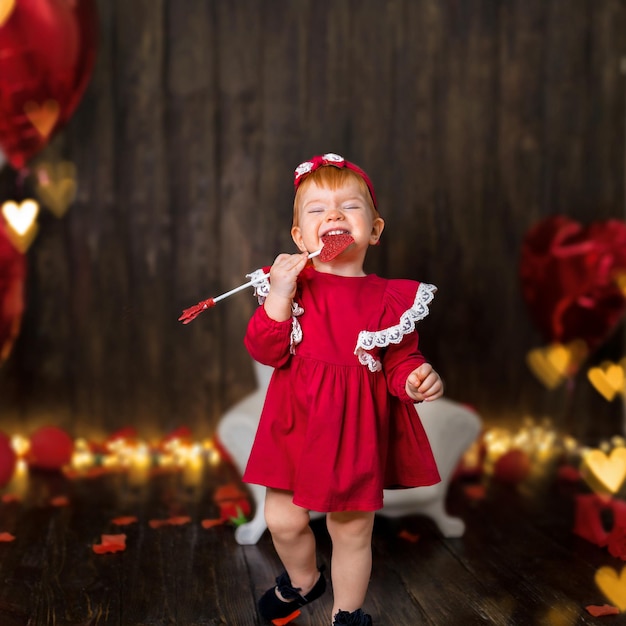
(267,340)
(406,303)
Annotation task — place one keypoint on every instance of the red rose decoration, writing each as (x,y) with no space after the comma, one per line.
(570,277)
(617,542)
(12,276)
(232,502)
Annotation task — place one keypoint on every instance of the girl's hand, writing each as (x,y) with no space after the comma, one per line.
(424,384)
(283,277)
(284,274)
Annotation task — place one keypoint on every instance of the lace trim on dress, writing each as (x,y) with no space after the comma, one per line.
(261,286)
(260,282)
(368,340)
(296,329)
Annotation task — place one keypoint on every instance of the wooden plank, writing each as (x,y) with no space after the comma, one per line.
(240,141)
(283,31)
(193,369)
(141,176)
(430,567)
(99,370)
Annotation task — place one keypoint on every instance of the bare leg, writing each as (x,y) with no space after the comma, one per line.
(351,566)
(293,538)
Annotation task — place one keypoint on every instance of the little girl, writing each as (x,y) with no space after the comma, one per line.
(338,424)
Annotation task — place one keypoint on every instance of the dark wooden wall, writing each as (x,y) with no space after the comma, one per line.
(475,118)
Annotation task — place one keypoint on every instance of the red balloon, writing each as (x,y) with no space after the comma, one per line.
(571,279)
(47,52)
(512,467)
(12,277)
(8,458)
(50,448)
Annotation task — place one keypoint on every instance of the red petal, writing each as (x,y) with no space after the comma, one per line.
(10,497)
(170,521)
(110,539)
(60,501)
(475,492)
(6,537)
(408,536)
(157,523)
(108,548)
(110,544)
(605,609)
(124,520)
(211,523)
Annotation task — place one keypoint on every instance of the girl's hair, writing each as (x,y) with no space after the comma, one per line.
(332,178)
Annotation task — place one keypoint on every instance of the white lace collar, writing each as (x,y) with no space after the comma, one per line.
(368,340)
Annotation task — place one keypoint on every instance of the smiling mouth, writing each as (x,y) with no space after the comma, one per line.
(333,233)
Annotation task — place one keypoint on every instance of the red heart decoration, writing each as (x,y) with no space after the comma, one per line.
(570,277)
(47,52)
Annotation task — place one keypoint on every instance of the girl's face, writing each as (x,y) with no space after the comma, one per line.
(345,210)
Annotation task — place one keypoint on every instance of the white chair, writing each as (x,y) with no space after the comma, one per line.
(451,429)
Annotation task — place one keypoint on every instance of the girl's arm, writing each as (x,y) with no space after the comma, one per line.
(267,340)
(409,376)
(268,337)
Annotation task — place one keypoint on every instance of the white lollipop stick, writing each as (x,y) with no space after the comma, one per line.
(193,312)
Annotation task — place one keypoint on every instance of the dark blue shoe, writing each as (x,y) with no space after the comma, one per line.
(356,618)
(272,608)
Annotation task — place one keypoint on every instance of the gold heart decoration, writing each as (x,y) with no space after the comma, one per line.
(21,221)
(612,585)
(609,471)
(620,279)
(56,186)
(6,8)
(609,378)
(42,116)
(556,362)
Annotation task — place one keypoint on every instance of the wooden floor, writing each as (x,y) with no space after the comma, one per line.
(518,564)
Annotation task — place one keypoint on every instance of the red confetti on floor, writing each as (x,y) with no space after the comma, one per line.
(110,544)
(211,523)
(605,609)
(124,520)
(178,520)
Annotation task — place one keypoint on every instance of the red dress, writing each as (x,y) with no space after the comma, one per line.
(337,425)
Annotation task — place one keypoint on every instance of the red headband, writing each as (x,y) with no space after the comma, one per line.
(304,169)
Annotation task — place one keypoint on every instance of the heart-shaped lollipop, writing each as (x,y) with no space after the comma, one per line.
(333,246)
